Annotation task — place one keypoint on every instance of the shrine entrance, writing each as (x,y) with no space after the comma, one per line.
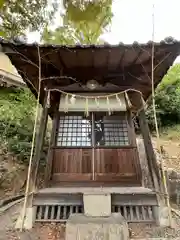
(97,148)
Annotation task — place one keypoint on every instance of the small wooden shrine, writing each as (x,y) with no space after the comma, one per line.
(91,94)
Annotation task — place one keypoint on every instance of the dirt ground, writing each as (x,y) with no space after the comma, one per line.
(57,231)
(171,153)
(39,232)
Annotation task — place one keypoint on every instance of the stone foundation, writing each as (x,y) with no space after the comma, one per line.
(29,218)
(97,205)
(83,227)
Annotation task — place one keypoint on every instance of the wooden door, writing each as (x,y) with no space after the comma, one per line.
(72,165)
(117,165)
(102,152)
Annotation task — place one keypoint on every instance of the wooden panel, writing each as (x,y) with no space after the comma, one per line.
(72,165)
(111,165)
(117,165)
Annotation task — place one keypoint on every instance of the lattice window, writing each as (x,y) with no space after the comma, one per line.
(116,132)
(74,131)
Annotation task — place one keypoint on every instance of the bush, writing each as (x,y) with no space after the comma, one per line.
(17,112)
(167,99)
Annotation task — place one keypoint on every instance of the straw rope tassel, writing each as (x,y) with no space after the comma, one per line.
(156,127)
(119,100)
(108,106)
(128,101)
(87,108)
(97,102)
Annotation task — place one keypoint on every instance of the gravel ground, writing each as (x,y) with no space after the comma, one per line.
(56,231)
(145,231)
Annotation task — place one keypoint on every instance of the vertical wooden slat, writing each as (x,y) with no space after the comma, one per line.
(149,209)
(143,213)
(76,209)
(71,210)
(64,212)
(125,212)
(137,212)
(40,212)
(46,212)
(58,216)
(131,212)
(52,212)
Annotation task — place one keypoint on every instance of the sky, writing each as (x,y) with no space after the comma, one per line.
(133,21)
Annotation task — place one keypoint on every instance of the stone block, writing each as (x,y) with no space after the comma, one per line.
(162,217)
(97,205)
(83,227)
(29,218)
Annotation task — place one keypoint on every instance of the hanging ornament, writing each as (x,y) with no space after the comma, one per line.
(87,108)
(97,102)
(119,100)
(108,106)
(48,104)
(73,99)
(127,100)
(66,103)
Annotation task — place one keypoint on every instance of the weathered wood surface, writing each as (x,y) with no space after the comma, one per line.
(151,158)
(39,142)
(110,165)
(117,165)
(72,164)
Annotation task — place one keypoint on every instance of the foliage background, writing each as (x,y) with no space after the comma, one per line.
(83,21)
(17,110)
(167,99)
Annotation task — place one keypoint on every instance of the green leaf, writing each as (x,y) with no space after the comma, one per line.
(2,34)
(1,3)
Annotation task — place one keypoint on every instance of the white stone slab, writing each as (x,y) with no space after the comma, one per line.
(97,205)
(29,218)
(80,227)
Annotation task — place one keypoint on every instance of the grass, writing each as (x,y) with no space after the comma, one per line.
(171,132)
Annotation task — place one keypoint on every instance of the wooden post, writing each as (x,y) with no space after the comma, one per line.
(151,158)
(39,142)
(131,131)
(49,159)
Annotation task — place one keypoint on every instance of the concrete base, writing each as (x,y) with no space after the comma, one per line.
(97,205)
(82,227)
(29,219)
(162,216)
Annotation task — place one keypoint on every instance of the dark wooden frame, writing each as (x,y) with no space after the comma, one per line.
(39,141)
(132,145)
(151,158)
(130,127)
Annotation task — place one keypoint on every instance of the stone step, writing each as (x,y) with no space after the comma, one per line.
(80,190)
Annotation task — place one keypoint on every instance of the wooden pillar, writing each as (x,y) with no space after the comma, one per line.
(131,131)
(39,142)
(151,158)
(52,143)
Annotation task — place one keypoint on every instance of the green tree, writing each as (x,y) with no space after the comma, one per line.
(83,23)
(167,99)
(19,16)
(17,112)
